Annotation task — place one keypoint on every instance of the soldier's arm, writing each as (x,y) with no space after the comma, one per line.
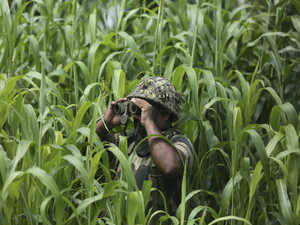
(163,154)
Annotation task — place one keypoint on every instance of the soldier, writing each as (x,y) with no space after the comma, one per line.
(157,106)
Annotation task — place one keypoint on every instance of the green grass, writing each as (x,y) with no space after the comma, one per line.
(237,66)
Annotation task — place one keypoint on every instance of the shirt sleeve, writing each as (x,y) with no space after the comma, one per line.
(185,150)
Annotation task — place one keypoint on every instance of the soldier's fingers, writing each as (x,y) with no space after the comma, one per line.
(138,102)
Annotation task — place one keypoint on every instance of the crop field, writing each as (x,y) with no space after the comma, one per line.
(237,65)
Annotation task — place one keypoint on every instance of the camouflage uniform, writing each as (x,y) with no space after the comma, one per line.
(145,169)
(160,91)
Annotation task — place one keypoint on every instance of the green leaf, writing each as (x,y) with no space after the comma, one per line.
(31,129)
(85,71)
(182,207)
(273,143)
(87,92)
(129,41)
(146,191)
(10,179)
(86,203)
(34,44)
(7,91)
(208,105)
(95,164)
(92,57)
(290,112)
(286,153)
(160,55)
(240,8)
(292,139)
(169,67)
(125,165)
(78,164)
(198,209)
(3,164)
(132,207)
(4,111)
(267,34)
(229,218)
(193,82)
(123,146)
(130,14)
(275,118)
(75,151)
(284,202)
(255,180)
(93,25)
(273,93)
(260,148)
(108,58)
(211,138)
(237,122)
(296,4)
(210,83)
(5,11)
(110,189)
(44,211)
(59,210)
(298,205)
(177,78)
(79,115)
(118,83)
(45,179)
(296,22)
(228,191)
(21,151)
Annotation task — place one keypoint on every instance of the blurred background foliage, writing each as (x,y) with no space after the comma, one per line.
(237,64)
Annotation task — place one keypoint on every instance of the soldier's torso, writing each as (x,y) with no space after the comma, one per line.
(145,169)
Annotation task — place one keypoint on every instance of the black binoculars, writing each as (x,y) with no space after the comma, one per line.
(126,109)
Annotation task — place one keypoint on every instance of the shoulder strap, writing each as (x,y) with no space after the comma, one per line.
(169,133)
(184,139)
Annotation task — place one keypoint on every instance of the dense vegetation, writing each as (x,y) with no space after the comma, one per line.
(237,64)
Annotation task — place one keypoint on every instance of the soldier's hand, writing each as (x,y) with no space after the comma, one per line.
(111,118)
(146,111)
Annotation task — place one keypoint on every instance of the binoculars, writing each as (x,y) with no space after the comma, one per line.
(126,109)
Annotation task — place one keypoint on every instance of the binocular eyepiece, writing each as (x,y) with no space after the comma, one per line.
(126,107)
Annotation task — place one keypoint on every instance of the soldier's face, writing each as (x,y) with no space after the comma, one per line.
(139,128)
(159,117)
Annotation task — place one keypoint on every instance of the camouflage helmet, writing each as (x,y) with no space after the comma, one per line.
(159,90)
